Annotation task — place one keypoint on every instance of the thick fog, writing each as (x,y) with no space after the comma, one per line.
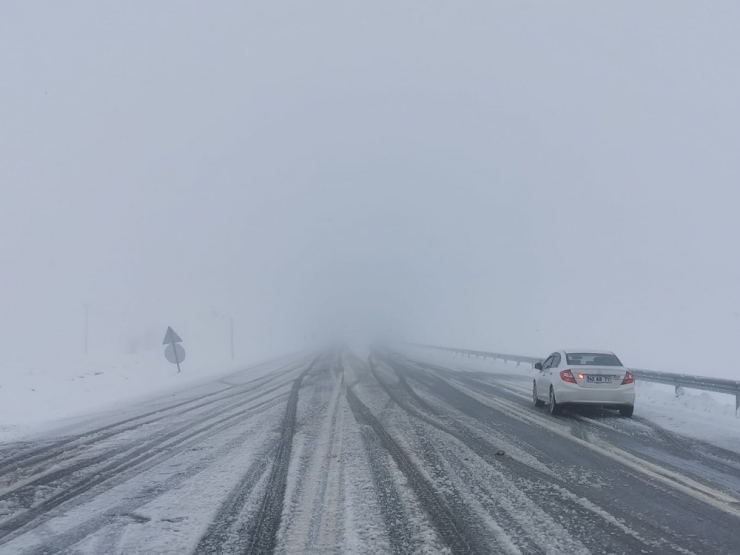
(511,176)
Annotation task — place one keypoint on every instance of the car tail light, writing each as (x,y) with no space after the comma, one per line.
(629,378)
(567,376)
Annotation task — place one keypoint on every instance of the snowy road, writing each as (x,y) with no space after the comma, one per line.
(334,454)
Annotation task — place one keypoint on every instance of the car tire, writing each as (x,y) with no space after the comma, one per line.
(537,401)
(555,408)
(627,411)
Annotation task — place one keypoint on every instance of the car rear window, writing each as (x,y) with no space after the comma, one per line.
(592,359)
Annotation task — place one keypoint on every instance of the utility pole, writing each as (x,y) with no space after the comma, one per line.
(87,326)
(232,338)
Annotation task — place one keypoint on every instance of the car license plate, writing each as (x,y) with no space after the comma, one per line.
(599,379)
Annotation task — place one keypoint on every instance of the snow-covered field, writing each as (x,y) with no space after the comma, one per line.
(52,395)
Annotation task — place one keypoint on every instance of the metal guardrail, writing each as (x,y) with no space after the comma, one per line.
(716,385)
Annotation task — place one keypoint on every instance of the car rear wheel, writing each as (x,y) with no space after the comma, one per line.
(555,408)
(627,411)
(537,401)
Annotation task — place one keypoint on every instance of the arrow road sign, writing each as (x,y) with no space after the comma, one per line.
(171,337)
(173,352)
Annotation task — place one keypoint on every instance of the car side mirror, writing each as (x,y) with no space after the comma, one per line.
(538,366)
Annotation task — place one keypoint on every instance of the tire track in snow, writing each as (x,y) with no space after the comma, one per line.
(27,486)
(394,514)
(318,520)
(328,532)
(659,532)
(69,448)
(264,534)
(652,536)
(119,514)
(222,532)
(306,515)
(476,444)
(705,493)
(443,519)
(262,530)
(33,516)
(463,505)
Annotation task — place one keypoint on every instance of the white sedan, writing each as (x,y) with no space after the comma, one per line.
(584,377)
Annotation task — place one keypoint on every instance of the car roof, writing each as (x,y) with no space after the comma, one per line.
(593,351)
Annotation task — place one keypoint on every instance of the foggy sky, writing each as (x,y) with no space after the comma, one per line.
(513,176)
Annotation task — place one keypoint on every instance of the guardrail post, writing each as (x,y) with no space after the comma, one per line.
(737,402)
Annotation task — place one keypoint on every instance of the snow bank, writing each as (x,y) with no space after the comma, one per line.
(34,399)
(701,415)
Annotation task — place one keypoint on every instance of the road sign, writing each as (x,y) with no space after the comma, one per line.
(173,352)
(171,337)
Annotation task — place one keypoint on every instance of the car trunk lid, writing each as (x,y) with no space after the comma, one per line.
(600,377)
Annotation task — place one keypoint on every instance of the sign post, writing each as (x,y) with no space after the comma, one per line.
(173,352)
